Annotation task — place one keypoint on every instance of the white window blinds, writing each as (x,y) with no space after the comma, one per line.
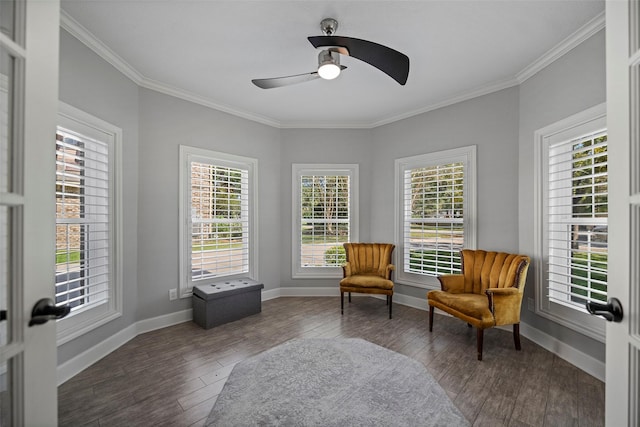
(219,220)
(577,220)
(325,213)
(433,227)
(83,215)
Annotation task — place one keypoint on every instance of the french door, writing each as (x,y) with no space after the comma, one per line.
(28,106)
(623,123)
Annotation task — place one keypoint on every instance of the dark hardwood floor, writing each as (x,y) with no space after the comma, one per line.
(172,376)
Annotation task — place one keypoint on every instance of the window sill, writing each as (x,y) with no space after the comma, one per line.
(591,326)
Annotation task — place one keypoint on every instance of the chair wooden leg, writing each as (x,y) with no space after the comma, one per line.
(431,318)
(390,298)
(480,336)
(516,336)
(349,297)
(387,299)
(341,302)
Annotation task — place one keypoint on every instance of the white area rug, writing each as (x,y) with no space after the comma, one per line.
(332,382)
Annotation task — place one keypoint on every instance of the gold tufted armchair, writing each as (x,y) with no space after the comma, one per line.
(367,271)
(488,292)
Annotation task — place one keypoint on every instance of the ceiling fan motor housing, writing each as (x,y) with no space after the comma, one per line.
(328,64)
(328,57)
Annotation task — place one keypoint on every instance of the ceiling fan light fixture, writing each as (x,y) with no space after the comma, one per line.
(391,62)
(328,65)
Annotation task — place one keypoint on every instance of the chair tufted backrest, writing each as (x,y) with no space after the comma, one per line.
(369,258)
(483,270)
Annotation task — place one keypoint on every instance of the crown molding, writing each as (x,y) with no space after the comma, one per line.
(206,102)
(76,29)
(464,96)
(325,125)
(562,48)
(73,27)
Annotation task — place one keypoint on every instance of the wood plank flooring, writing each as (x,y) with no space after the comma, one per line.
(172,376)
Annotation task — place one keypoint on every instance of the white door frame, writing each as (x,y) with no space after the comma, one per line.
(40,116)
(623,341)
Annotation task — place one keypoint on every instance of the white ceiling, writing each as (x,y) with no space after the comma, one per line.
(208,51)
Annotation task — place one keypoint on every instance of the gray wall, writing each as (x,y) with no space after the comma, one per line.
(491,123)
(165,124)
(322,146)
(501,124)
(570,85)
(90,84)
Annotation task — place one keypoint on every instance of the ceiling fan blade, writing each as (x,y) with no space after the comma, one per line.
(287,80)
(395,64)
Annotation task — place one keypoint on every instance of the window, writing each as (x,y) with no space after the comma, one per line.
(216,217)
(572,219)
(325,210)
(436,214)
(88,262)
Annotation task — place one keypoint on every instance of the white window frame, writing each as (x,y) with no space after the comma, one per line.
(466,155)
(82,321)
(580,124)
(187,155)
(298,171)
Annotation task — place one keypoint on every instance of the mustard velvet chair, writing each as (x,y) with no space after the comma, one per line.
(488,293)
(367,271)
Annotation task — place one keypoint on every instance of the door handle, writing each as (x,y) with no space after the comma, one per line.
(612,310)
(46,310)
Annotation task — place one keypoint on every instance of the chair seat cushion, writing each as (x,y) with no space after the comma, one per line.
(472,308)
(366,281)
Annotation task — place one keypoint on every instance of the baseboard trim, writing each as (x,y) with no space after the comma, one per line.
(332,291)
(409,301)
(270,294)
(72,367)
(79,363)
(163,321)
(577,358)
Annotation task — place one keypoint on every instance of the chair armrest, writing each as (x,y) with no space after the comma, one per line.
(503,291)
(346,269)
(388,270)
(452,283)
(504,304)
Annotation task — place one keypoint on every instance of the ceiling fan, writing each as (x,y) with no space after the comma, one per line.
(391,62)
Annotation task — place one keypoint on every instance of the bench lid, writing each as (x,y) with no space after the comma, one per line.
(226,288)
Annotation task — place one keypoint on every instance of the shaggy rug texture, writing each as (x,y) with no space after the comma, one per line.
(332,382)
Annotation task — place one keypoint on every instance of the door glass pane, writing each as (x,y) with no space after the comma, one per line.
(634,27)
(5,394)
(634,146)
(5,272)
(6,103)
(7,18)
